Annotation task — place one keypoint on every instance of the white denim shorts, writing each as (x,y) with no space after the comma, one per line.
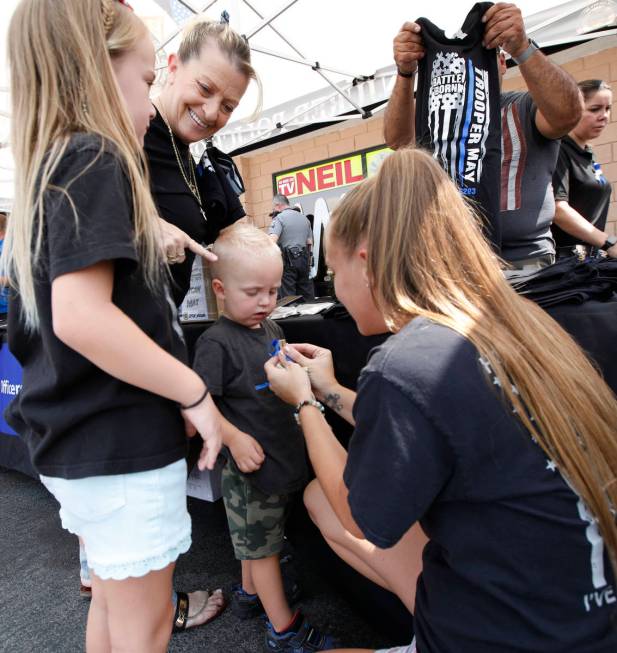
(131,524)
(400,649)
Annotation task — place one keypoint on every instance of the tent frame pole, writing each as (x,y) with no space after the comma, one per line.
(315,66)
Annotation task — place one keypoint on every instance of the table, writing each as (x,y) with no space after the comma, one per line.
(339,335)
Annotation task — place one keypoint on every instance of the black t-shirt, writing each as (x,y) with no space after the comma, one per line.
(514,563)
(578,180)
(177,204)
(230,358)
(78,420)
(458,112)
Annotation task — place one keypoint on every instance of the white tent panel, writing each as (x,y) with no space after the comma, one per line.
(349,38)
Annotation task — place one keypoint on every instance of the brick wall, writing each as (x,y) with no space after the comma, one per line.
(593,60)
(257,167)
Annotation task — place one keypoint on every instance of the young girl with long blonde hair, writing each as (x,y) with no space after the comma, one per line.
(106,395)
(480,419)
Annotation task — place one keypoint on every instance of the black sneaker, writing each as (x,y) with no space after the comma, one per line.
(302,639)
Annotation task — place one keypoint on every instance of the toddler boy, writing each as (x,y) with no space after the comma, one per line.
(264,447)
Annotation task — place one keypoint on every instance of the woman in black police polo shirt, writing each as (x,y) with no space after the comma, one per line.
(582,193)
(205,82)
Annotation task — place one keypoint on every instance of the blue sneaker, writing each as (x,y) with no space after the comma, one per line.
(248,606)
(302,639)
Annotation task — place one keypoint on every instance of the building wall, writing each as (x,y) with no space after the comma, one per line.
(257,167)
(593,60)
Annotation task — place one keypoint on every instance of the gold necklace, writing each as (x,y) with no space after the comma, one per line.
(191,179)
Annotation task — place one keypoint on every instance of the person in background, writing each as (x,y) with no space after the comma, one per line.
(107,399)
(291,230)
(4,290)
(533,124)
(205,82)
(479,423)
(266,460)
(582,193)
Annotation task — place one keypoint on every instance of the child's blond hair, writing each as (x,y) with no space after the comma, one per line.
(237,243)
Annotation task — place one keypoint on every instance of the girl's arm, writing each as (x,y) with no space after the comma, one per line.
(86,320)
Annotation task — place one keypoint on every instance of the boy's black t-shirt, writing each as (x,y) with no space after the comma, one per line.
(177,204)
(515,562)
(77,420)
(458,113)
(578,180)
(230,358)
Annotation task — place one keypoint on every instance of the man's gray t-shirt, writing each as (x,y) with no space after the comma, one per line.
(528,161)
(292,229)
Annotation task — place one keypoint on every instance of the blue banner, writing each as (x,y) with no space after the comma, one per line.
(10,384)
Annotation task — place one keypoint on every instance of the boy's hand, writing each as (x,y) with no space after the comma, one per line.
(246,452)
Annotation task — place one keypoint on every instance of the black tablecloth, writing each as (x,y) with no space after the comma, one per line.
(339,335)
(592,324)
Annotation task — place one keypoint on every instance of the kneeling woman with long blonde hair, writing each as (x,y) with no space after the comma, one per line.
(480,419)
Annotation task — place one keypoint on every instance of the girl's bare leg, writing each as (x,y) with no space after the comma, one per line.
(137,613)
(395,569)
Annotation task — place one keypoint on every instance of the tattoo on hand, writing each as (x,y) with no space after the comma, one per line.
(333,401)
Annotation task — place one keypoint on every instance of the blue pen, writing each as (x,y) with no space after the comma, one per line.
(277,346)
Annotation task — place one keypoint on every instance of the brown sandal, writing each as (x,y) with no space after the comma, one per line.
(181,615)
(84,591)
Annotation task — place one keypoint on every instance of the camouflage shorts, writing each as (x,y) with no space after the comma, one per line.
(256,520)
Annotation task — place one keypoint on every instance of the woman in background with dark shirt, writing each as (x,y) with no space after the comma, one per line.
(582,194)
(205,82)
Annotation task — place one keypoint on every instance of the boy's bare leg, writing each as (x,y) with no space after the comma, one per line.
(268,582)
(247,577)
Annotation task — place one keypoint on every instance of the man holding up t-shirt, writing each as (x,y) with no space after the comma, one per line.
(532,122)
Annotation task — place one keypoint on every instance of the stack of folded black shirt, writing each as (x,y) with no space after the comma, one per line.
(569,281)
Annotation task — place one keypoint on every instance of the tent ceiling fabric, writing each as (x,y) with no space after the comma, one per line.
(351,36)
(350,39)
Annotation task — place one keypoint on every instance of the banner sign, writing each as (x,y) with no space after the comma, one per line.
(10,384)
(327,175)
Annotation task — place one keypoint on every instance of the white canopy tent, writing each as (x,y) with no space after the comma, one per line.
(319,61)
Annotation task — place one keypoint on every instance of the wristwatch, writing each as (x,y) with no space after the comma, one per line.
(526,53)
(610,241)
(307,402)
